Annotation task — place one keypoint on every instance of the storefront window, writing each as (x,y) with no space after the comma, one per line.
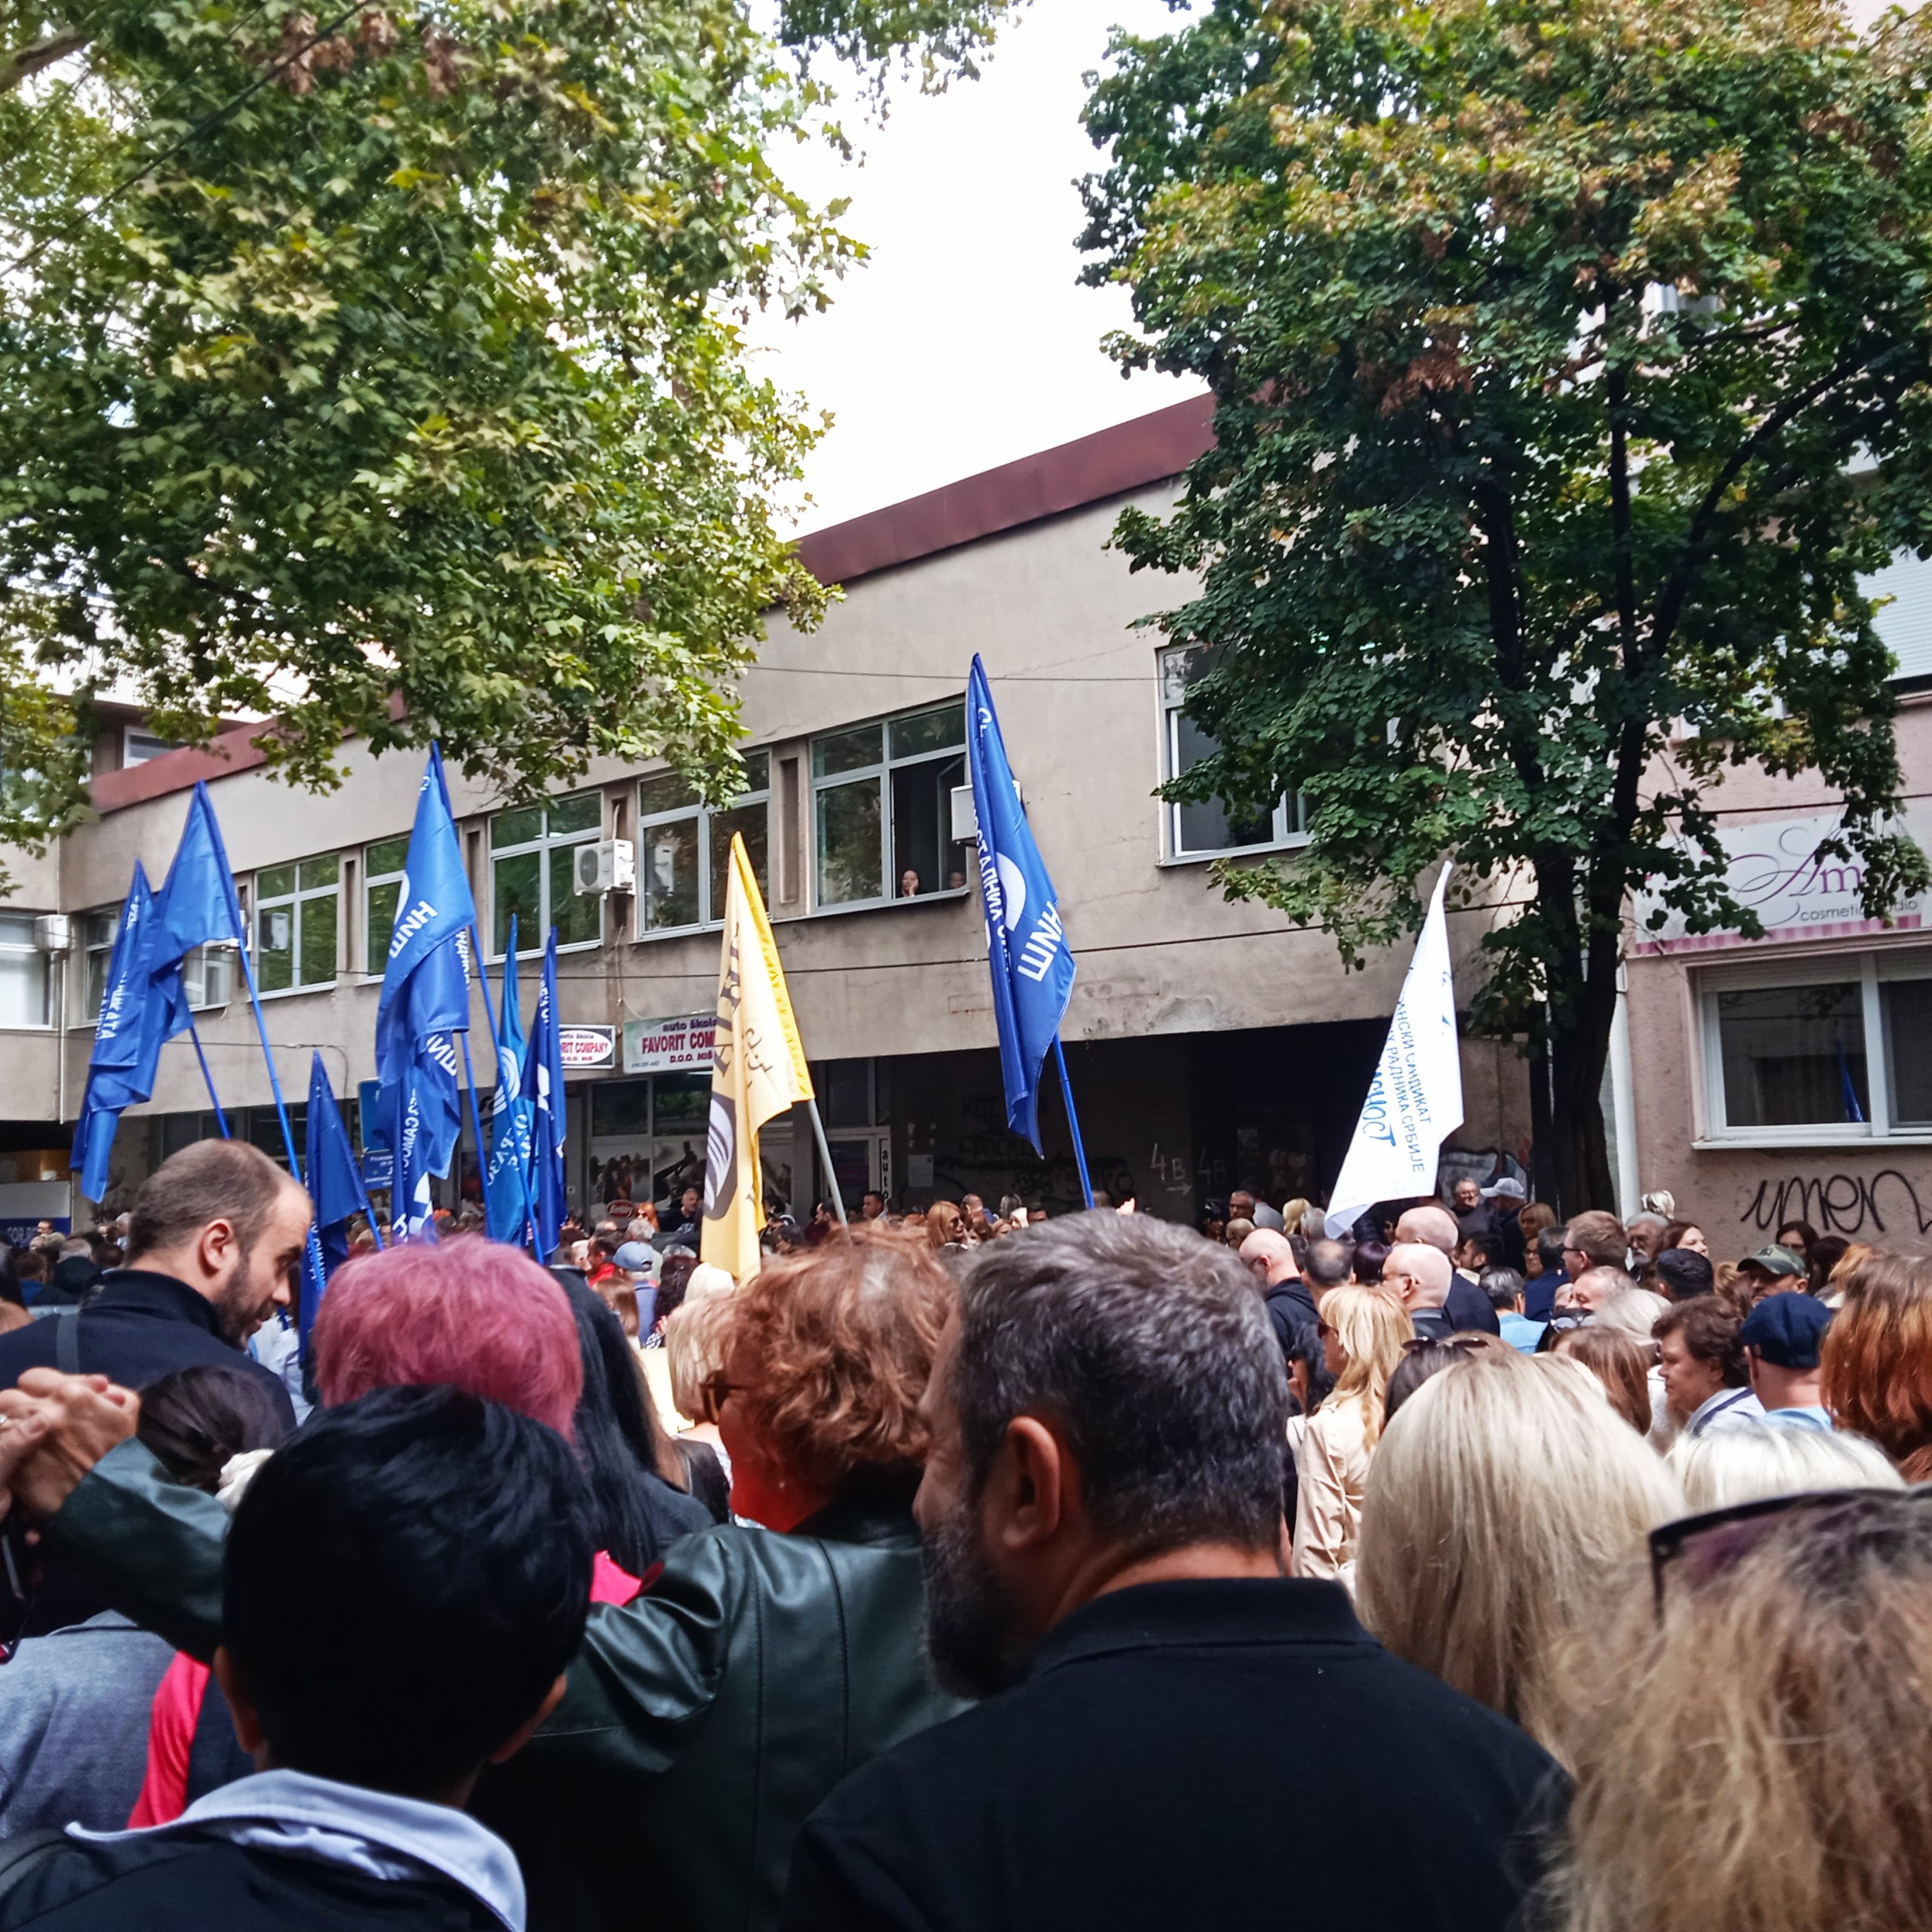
(647,1137)
(1841,1050)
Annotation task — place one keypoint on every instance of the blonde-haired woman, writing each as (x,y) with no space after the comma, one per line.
(1363,1332)
(1506,1495)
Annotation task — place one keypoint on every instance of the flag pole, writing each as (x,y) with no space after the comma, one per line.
(483,1163)
(475,1127)
(825,1155)
(262,1033)
(214,1099)
(1073,1120)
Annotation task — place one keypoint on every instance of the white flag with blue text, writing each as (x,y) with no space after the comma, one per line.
(1415,1101)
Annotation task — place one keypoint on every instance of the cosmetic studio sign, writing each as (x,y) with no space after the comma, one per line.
(1776,868)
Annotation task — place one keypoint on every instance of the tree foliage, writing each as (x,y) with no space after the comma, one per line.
(383,369)
(1570,359)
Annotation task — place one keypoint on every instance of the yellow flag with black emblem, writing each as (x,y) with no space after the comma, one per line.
(758,1069)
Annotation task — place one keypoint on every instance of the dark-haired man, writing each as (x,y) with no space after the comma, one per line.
(1101,1511)
(216,1238)
(405,1585)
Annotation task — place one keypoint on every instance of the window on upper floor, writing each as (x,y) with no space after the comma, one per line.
(383,865)
(684,849)
(1837,1049)
(23,973)
(298,910)
(882,808)
(1905,625)
(531,851)
(208,972)
(1209,830)
(138,746)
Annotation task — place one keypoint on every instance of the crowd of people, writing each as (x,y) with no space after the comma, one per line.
(960,1571)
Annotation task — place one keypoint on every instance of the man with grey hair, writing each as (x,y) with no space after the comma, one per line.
(1102,1519)
(1432,1225)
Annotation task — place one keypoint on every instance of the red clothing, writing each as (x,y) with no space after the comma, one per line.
(177,1710)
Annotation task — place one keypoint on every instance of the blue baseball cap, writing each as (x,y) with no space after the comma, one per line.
(1787,1329)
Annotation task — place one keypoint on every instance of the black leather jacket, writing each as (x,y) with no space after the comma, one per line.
(703,1722)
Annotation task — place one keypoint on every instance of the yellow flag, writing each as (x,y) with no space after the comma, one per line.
(758,1069)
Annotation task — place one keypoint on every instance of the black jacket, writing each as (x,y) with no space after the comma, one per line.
(701,1722)
(186,1884)
(1291,1311)
(1145,1772)
(138,1328)
(1468,1307)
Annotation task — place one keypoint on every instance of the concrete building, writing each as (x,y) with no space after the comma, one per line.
(1210,1045)
(1789,1077)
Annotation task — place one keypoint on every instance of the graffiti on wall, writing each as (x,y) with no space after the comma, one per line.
(1840,1203)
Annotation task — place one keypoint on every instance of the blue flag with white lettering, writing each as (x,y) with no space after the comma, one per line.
(335,1185)
(425,1004)
(506,1182)
(1026,948)
(543,1082)
(118,1040)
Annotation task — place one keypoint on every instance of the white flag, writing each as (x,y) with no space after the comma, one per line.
(1416,1098)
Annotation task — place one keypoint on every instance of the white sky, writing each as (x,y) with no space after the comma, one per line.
(966,340)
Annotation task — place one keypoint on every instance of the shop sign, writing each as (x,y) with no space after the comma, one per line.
(682,1045)
(1775,868)
(582,1048)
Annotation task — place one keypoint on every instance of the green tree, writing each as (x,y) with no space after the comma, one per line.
(1570,366)
(384,370)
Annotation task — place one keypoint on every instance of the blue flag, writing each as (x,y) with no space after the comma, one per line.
(197,902)
(506,1184)
(335,1185)
(425,1003)
(118,1040)
(1026,949)
(543,1082)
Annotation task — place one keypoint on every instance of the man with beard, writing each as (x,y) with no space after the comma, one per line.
(1164,1710)
(215,1240)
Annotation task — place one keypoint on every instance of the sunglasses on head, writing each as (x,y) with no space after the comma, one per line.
(1469,1344)
(1700,1548)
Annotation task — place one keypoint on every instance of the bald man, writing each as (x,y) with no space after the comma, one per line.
(1431,1225)
(1421,1276)
(1269,1257)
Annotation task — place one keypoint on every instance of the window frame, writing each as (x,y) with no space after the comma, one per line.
(710,917)
(45,1024)
(882,773)
(293,901)
(545,846)
(1288,822)
(1871,969)
(375,946)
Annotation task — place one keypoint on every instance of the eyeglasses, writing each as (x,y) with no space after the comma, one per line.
(1700,1548)
(715,1387)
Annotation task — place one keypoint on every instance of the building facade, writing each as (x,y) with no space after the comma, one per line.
(1210,1045)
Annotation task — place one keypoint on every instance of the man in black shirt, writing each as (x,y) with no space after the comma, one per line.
(1164,1712)
(215,1241)
(214,1244)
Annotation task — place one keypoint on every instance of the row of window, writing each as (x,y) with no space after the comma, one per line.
(882,818)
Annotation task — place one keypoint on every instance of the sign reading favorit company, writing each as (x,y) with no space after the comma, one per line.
(1775,868)
(583,1048)
(670,1046)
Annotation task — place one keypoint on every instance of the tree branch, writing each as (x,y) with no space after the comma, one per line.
(29,60)
(1670,602)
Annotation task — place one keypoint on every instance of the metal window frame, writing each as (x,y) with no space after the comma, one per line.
(545,846)
(1285,835)
(295,900)
(710,917)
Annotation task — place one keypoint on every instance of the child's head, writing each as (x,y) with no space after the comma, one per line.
(406,1581)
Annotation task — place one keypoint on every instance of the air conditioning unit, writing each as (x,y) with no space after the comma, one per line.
(608,865)
(53,933)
